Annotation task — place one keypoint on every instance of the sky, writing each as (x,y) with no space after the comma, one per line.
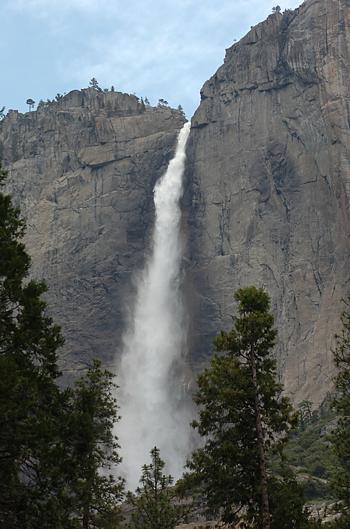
(157,49)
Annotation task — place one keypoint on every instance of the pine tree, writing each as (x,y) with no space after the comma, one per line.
(287,501)
(154,504)
(181,110)
(142,105)
(75,475)
(94,84)
(28,369)
(242,416)
(30,102)
(54,444)
(341,435)
(93,450)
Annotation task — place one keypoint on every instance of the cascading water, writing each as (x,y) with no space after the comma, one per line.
(152,409)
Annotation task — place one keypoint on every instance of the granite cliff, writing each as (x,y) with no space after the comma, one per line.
(266,200)
(268,195)
(83,171)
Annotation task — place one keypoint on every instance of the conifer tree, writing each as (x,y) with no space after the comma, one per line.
(154,505)
(341,435)
(94,84)
(28,368)
(54,444)
(93,450)
(242,417)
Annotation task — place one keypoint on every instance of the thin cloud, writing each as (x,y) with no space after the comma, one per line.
(156,48)
(169,51)
(47,7)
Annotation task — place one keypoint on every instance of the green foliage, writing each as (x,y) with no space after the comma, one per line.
(80,490)
(91,450)
(305,414)
(341,434)
(343,522)
(30,102)
(54,444)
(181,110)
(93,83)
(162,103)
(154,502)
(28,368)
(238,390)
(142,105)
(308,450)
(287,502)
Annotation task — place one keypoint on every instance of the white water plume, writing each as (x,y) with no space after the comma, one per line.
(151,373)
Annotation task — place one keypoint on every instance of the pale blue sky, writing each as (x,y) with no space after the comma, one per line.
(159,49)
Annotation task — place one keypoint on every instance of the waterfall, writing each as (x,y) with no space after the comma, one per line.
(152,368)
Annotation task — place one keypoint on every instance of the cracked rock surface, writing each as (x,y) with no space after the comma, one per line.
(83,170)
(267,200)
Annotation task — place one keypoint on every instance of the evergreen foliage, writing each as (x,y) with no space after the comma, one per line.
(93,83)
(243,418)
(28,368)
(79,489)
(308,449)
(30,102)
(287,502)
(181,110)
(154,503)
(58,450)
(54,443)
(143,106)
(93,450)
(341,434)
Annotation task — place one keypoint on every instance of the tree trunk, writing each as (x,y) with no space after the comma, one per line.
(265,508)
(86,516)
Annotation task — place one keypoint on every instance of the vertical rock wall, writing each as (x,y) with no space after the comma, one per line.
(266,202)
(82,170)
(268,187)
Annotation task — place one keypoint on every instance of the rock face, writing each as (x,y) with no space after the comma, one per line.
(266,201)
(268,175)
(83,171)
